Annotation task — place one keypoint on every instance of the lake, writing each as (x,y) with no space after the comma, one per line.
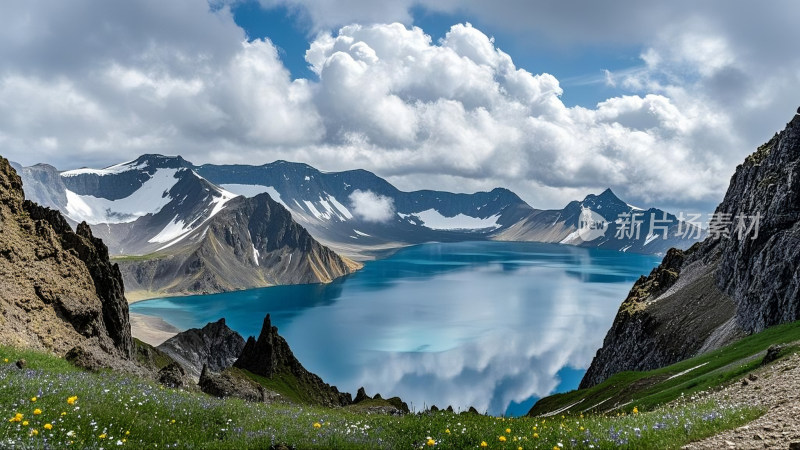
(494,325)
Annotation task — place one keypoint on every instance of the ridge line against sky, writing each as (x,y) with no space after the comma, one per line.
(659,102)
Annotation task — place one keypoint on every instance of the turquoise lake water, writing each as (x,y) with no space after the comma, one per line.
(493,325)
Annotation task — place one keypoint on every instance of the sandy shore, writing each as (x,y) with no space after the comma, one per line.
(150,329)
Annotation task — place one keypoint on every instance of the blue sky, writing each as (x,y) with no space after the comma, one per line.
(580,68)
(554,100)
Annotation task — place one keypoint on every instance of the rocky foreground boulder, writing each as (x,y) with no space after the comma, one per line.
(215,346)
(270,357)
(726,286)
(58,290)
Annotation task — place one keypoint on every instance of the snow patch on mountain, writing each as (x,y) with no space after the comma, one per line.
(175,229)
(436,221)
(570,237)
(219,201)
(148,199)
(248,190)
(111,170)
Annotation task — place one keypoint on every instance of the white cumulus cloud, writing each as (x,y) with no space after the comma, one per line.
(371,207)
(455,114)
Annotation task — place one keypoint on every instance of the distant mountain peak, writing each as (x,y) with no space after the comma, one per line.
(161,161)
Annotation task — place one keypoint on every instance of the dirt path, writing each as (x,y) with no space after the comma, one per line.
(776,388)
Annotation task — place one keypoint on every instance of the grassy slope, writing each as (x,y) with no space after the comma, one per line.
(116,410)
(650,389)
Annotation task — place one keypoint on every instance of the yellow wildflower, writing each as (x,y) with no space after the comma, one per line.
(5,359)
(447,431)
(63,413)
(172,421)
(33,399)
(502,438)
(102,436)
(431,442)
(37,411)
(484,444)
(317,425)
(34,432)
(581,428)
(508,430)
(127,433)
(48,426)
(536,435)
(24,423)
(72,400)
(17,417)
(635,410)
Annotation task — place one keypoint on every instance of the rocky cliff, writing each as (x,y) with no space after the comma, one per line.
(270,357)
(252,242)
(726,286)
(58,290)
(215,346)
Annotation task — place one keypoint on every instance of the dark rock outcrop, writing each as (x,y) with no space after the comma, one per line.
(269,356)
(726,286)
(232,384)
(172,375)
(361,395)
(58,290)
(215,345)
(377,405)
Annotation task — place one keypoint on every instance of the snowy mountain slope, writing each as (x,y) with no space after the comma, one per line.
(327,204)
(251,242)
(181,232)
(155,203)
(562,226)
(357,210)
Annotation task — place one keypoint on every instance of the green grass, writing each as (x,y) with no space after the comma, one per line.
(120,411)
(283,384)
(149,356)
(650,389)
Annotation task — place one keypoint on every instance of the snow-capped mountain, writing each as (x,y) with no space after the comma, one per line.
(331,206)
(189,223)
(188,235)
(628,228)
(356,212)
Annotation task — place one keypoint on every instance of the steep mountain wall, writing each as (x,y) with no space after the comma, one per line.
(724,287)
(58,290)
(253,242)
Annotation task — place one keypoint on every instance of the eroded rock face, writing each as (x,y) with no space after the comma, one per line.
(215,345)
(58,289)
(270,356)
(229,384)
(724,288)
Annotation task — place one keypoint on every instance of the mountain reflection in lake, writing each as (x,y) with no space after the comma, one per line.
(487,324)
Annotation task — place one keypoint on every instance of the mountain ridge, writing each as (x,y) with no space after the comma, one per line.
(155,212)
(724,287)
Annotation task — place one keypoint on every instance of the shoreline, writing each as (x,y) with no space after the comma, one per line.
(151,330)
